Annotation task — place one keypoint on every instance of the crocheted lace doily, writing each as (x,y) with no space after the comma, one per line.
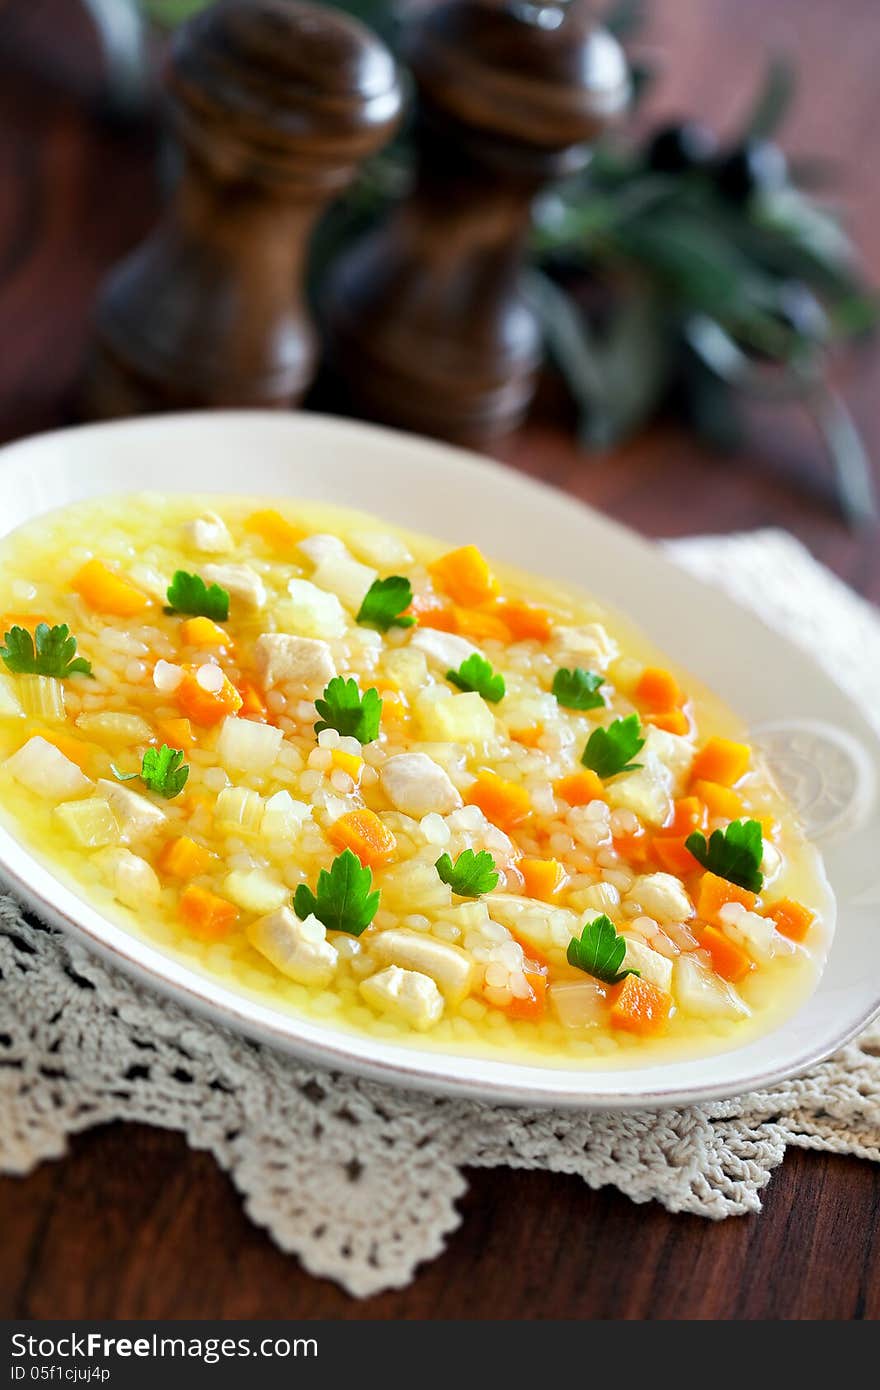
(311,1152)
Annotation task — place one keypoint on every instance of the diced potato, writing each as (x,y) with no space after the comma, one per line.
(406,994)
(416,785)
(136,814)
(132,879)
(442,649)
(653,967)
(283,817)
(406,667)
(647,792)
(239,808)
(450,968)
(661,896)
(46,772)
(209,534)
(91,823)
(112,728)
(255,891)
(464,718)
(536,923)
(10,704)
(241,582)
(312,612)
(245,746)
(298,949)
(282,658)
(699,991)
(756,934)
(42,697)
(579,1003)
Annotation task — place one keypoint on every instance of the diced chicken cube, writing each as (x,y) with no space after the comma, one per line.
(534,922)
(653,967)
(209,534)
(298,949)
(321,547)
(442,649)
(133,882)
(283,659)
(45,771)
(416,785)
(661,896)
(241,582)
(757,934)
(675,752)
(137,815)
(592,640)
(405,994)
(449,967)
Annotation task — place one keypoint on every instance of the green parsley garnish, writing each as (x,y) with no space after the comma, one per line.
(344,708)
(162,771)
(384,603)
(599,951)
(188,593)
(50,652)
(343,901)
(475,673)
(609,751)
(578,689)
(471,875)
(734,853)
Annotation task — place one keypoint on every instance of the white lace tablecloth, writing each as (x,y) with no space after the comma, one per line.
(359,1180)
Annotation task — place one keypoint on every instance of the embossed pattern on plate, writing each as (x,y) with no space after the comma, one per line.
(825,772)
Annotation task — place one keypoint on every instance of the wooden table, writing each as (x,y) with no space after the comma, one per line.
(132,1224)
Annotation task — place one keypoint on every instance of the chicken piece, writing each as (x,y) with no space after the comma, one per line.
(136,815)
(653,967)
(283,659)
(209,534)
(449,967)
(406,994)
(240,582)
(661,896)
(298,949)
(416,785)
(442,649)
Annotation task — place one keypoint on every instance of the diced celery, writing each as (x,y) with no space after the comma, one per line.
(42,697)
(239,808)
(91,823)
(283,817)
(114,728)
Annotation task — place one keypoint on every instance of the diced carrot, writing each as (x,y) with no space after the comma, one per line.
(73,748)
(792,919)
(106,591)
(347,762)
(689,814)
(207,916)
(533,1006)
(253,706)
(363,832)
(672,721)
(183,858)
(658,690)
(504,803)
(635,849)
(529,737)
(721,760)
(201,632)
(465,576)
(26,620)
(770,827)
(395,707)
(434,612)
(640,1007)
(728,960)
(673,855)
(206,706)
(580,788)
(177,733)
(544,878)
(720,801)
(480,623)
(715,893)
(274,529)
(525,621)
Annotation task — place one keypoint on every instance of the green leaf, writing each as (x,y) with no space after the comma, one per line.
(599,951)
(578,689)
(773,99)
(162,771)
(476,673)
(188,593)
(471,875)
(384,603)
(50,652)
(608,751)
(343,901)
(734,853)
(351,714)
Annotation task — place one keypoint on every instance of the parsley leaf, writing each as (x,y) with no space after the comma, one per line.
(384,603)
(471,875)
(344,708)
(475,673)
(343,901)
(162,770)
(50,652)
(578,689)
(188,593)
(734,853)
(608,751)
(599,951)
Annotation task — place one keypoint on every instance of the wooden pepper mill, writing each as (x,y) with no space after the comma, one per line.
(274,103)
(426,322)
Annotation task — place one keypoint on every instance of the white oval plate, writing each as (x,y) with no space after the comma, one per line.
(460,497)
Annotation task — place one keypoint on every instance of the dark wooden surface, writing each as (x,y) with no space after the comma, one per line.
(131,1224)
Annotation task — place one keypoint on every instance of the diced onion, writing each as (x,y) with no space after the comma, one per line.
(246,746)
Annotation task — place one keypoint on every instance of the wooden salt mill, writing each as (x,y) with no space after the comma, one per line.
(427,325)
(274,103)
